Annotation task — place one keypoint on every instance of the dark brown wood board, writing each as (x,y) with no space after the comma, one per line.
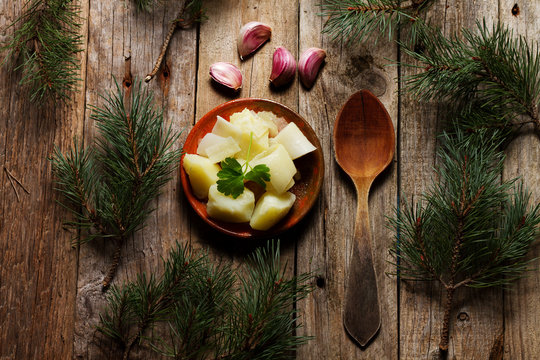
(50,293)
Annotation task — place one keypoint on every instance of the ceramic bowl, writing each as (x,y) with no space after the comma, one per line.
(311,167)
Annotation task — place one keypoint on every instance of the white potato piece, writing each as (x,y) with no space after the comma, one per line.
(225,129)
(269,118)
(248,121)
(281,167)
(226,208)
(296,143)
(202,174)
(217,148)
(270,209)
(242,136)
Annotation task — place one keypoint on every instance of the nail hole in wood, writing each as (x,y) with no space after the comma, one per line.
(515,10)
(463,316)
(320,282)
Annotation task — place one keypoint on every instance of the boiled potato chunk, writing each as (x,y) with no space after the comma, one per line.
(225,129)
(241,133)
(296,143)
(281,166)
(202,174)
(270,209)
(248,121)
(217,148)
(269,120)
(226,208)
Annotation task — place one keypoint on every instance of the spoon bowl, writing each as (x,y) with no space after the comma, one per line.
(364,143)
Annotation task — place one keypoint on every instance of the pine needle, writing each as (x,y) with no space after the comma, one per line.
(44,48)
(207,316)
(108,185)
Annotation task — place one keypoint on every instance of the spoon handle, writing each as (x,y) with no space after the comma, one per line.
(361,316)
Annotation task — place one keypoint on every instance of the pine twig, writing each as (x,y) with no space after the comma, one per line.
(356,20)
(46,41)
(114,265)
(469,229)
(190,13)
(108,185)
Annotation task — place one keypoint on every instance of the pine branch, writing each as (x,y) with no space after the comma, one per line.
(108,186)
(357,20)
(492,69)
(206,316)
(469,228)
(46,41)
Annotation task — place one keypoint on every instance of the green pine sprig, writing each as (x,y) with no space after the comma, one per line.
(357,20)
(469,229)
(44,47)
(482,71)
(108,185)
(204,313)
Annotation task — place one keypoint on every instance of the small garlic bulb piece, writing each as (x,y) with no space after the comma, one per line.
(283,67)
(226,74)
(252,36)
(309,65)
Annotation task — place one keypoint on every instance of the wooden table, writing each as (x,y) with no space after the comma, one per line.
(50,294)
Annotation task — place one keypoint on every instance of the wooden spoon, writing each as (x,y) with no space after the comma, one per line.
(364,143)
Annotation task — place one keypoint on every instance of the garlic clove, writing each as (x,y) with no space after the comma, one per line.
(252,36)
(309,65)
(226,74)
(283,67)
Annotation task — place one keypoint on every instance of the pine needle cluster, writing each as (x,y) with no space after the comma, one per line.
(357,20)
(44,48)
(489,70)
(108,185)
(469,229)
(205,314)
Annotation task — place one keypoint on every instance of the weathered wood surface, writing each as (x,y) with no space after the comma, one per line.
(50,294)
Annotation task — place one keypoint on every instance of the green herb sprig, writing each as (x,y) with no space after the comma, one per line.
(232,174)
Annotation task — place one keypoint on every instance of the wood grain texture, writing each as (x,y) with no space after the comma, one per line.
(116,33)
(521,301)
(50,294)
(474,311)
(38,267)
(326,247)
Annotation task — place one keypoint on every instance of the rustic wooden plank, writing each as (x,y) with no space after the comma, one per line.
(521,304)
(326,246)
(38,273)
(476,315)
(118,32)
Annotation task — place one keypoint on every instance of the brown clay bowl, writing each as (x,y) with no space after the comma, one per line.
(311,167)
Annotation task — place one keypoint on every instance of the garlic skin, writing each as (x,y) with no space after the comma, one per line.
(226,74)
(252,36)
(309,65)
(283,67)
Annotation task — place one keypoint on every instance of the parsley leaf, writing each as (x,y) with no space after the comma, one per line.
(231,178)
(259,174)
(232,175)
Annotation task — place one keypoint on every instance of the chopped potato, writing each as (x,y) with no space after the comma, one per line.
(202,174)
(294,141)
(269,119)
(217,148)
(281,166)
(226,208)
(270,209)
(225,129)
